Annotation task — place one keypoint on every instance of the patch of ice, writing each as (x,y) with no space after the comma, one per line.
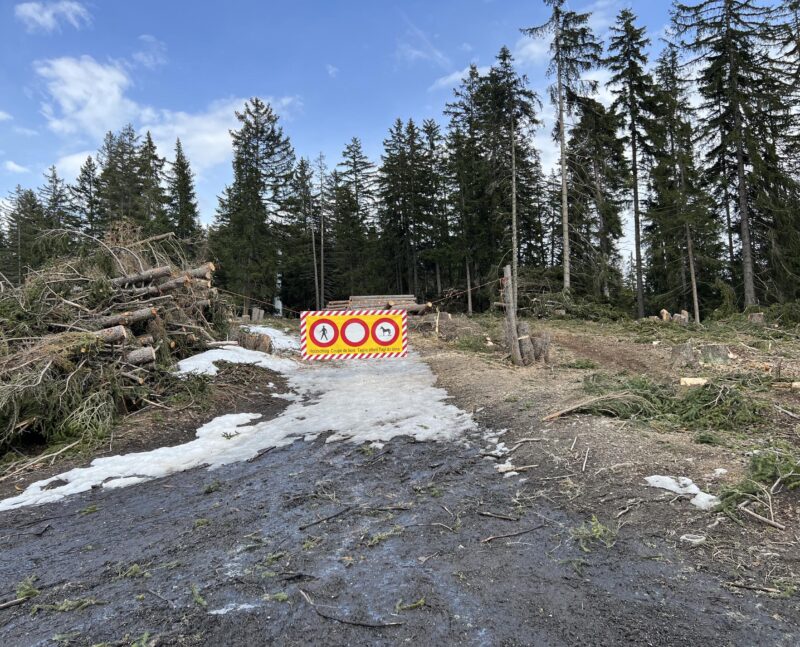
(357,401)
(232,607)
(281,341)
(684,485)
(204,362)
(705,501)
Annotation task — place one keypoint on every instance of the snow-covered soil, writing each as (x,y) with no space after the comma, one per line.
(358,401)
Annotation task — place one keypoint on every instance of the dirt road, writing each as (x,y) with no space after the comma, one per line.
(407,541)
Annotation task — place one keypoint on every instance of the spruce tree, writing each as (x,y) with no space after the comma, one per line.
(182,211)
(599,174)
(86,202)
(58,214)
(243,237)
(677,207)
(151,210)
(26,222)
(744,114)
(574,51)
(299,266)
(119,186)
(632,86)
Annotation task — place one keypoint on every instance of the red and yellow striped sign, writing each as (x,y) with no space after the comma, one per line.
(353,334)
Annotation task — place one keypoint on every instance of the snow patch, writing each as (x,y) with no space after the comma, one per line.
(357,401)
(684,485)
(204,362)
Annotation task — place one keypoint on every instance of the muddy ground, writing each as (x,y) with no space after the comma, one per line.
(421,543)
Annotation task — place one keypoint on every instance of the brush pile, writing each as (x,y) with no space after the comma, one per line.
(94,336)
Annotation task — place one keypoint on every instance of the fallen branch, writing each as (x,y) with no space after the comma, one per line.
(12,603)
(324,519)
(511,534)
(356,623)
(486,513)
(743,507)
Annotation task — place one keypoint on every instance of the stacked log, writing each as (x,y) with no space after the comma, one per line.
(407,302)
(97,339)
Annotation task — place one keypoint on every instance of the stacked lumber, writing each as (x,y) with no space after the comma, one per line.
(95,335)
(407,302)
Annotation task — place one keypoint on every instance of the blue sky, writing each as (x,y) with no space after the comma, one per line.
(73,69)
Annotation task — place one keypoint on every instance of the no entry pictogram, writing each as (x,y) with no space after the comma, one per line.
(354,334)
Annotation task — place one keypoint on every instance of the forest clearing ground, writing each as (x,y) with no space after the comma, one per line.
(596,465)
(425,542)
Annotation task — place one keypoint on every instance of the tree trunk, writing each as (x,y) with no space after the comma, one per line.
(564,202)
(744,217)
(511,317)
(316,275)
(692,275)
(469,291)
(636,221)
(514,241)
(438,279)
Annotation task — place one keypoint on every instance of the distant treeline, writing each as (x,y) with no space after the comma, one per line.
(699,146)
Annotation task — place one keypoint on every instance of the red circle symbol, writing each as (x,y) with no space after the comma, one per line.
(323,333)
(385,331)
(355,333)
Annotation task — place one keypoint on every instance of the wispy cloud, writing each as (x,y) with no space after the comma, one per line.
(26,132)
(69,166)
(332,70)
(451,80)
(85,98)
(416,45)
(49,16)
(153,52)
(13,167)
(4,116)
(603,14)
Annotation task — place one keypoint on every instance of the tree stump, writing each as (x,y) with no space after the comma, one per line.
(526,343)
(254,341)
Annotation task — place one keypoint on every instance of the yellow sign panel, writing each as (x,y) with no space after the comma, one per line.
(353,334)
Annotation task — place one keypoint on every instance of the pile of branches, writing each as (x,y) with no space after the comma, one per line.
(95,335)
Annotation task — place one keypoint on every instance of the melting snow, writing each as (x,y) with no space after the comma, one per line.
(204,362)
(684,485)
(368,401)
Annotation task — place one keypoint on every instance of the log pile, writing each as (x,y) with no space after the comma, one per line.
(407,302)
(95,335)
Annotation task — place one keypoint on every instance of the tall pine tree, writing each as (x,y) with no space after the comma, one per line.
(574,51)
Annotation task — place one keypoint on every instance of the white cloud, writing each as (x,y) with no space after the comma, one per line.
(69,166)
(48,16)
(4,116)
(153,52)
(603,15)
(332,70)
(13,167)
(27,132)
(532,51)
(86,96)
(417,46)
(451,80)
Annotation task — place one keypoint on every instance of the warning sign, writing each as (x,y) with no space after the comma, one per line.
(354,334)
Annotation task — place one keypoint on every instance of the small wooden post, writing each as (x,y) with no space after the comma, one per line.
(511,316)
